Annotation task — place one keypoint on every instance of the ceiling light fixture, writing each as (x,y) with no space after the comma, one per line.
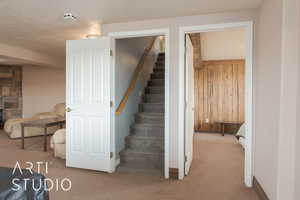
(69,16)
(93,36)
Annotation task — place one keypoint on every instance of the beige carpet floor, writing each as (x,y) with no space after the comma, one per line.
(216,174)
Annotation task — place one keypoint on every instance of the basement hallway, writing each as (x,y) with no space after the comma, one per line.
(216,174)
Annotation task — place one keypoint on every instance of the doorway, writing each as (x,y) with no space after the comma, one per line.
(186,111)
(91,98)
(148,33)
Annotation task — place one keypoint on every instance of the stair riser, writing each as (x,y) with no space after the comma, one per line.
(156,83)
(154,99)
(161,60)
(146,161)
(149,120)
(152,108)
(157,76)
(143,170)
(160,70)
(145,144)
(160,90)
(160,65)
(151,131)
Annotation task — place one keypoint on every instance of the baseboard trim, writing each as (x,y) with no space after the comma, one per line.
(259,190)
(173,173)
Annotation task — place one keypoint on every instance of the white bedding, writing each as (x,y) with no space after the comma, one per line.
(241,135)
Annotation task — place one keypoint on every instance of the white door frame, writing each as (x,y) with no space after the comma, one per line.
(144,33)
(248,25)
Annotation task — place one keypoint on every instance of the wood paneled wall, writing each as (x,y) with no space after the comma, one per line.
(219,94)
(11,91)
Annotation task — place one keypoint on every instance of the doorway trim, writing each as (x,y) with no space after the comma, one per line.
(144,33)
(248,25)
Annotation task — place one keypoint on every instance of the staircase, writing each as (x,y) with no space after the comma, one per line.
(144,151)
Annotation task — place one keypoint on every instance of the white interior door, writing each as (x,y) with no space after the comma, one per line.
(189,104)
(88,118)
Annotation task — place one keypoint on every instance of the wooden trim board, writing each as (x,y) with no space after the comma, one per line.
(173,173)
(238,61)
(260,191)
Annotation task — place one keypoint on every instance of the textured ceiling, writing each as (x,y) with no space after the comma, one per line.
(38,25)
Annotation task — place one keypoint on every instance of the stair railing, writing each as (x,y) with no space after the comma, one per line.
(134,78)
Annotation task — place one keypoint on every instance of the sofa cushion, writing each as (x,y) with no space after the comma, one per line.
(47,115)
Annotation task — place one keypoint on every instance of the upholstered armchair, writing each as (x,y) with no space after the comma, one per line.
(58,143)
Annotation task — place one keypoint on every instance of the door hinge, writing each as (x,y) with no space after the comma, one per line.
(111,104)
(185,159)
(111,53)
(111,155)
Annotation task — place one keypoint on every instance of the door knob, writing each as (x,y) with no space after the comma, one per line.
(68,109)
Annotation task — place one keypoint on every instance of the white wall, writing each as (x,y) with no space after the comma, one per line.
(297,171)
(42,88)
(128,54)
(267,95)
(277,97)
(173,24)
(289,97)
(297,167)
(223,45)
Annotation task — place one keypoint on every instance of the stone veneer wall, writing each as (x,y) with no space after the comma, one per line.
(195,38)
(11,91)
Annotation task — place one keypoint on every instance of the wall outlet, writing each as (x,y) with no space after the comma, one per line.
(206,120)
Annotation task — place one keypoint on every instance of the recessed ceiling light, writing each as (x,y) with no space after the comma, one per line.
(93,36)
(69,16)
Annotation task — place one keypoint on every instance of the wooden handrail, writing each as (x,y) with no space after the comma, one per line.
(134,78)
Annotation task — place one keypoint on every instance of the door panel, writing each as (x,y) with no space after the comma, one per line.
(189,102)
(88,96)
